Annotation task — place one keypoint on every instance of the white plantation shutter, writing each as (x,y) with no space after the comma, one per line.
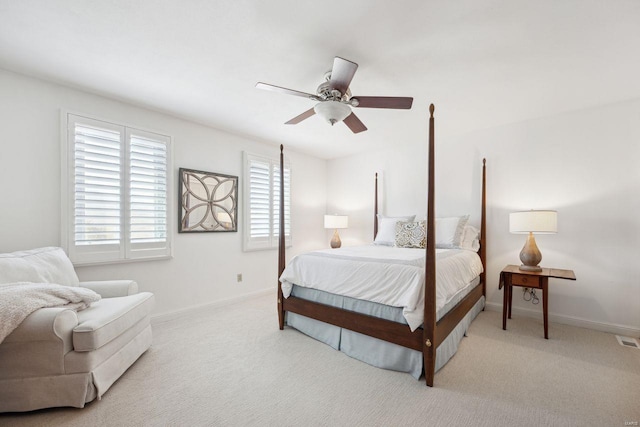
(115,190)
(261,197)
(97,179)
(147,225)
(259,201)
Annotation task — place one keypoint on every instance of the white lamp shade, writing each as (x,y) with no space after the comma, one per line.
(540,222)
(336,221)
(332,111)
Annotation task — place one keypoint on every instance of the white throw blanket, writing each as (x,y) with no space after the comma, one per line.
(19,300)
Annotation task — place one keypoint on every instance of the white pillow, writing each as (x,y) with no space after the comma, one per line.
(449,231)
(387,229)
(470,238)
(42,265)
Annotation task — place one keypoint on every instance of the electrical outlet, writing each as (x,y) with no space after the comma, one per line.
(239,277)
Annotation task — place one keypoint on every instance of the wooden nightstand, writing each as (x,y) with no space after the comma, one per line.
(511,276)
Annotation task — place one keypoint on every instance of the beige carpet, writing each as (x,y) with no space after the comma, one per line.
(231,366)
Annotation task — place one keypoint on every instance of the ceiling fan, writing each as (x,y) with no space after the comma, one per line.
(335,100)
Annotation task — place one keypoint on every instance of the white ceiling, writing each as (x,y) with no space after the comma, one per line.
(482,63)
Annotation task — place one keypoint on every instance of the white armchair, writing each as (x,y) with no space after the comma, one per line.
(60,357)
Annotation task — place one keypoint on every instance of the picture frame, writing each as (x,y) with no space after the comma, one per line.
(208,201)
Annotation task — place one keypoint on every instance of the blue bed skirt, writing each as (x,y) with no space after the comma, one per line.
(371,350)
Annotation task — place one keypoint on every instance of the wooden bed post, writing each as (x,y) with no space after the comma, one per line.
(281,242)
(483,229)
(375,209)
(429,334)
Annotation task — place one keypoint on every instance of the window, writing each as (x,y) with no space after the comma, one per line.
(115,192)
(261,202)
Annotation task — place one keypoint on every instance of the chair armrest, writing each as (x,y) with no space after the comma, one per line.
(112,288)
(47,324)
(37,347)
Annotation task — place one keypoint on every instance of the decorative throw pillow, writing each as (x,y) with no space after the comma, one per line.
(387,228)
(411,234)
(449,231)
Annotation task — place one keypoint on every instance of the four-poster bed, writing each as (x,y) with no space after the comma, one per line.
(436,325)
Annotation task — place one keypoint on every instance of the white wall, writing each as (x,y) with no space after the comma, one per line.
(584,164)
(204,265)
(401,187)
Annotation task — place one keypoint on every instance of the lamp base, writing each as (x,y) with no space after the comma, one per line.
(530,255)
(530,268)
(335,242)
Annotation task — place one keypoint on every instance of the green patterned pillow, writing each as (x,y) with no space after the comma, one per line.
(411,234)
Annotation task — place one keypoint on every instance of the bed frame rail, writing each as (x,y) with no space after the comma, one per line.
(386,330)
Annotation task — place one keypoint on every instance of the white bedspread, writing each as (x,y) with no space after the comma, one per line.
(19,300)
(382,274)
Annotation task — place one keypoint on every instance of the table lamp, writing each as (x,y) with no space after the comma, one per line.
(335,222)
(530,222)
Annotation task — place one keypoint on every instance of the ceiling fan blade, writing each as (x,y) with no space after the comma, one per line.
(396,102)
(342,74)
(301,117)
(354,123)
(273,88)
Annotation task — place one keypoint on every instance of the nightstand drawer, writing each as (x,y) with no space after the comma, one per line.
(525,280)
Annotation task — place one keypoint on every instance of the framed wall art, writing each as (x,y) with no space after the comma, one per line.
(208,201)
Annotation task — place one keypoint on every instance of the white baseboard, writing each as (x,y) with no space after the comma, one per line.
(174,314)
(570,320)
(492,306)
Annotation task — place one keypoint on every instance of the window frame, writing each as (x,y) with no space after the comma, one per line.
(125,251)
(272,241)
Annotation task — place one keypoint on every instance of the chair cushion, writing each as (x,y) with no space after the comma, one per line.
(109,318)
(42,265)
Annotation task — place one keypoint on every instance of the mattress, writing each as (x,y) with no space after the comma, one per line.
(384,275)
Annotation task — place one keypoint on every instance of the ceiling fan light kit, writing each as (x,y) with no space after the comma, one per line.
(335,100)
(332,111)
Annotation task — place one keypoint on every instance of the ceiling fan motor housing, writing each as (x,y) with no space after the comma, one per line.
(327,93)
